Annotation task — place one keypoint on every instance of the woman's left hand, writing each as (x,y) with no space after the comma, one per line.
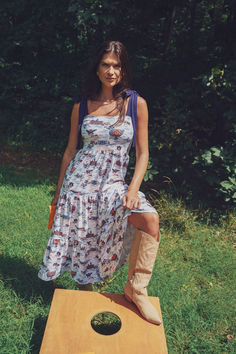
(131,200)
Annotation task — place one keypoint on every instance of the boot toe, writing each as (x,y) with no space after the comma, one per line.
(147,310)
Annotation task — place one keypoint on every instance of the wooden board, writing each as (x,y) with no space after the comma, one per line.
(68,329)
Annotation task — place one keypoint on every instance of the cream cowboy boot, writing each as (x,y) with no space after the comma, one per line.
(141,261)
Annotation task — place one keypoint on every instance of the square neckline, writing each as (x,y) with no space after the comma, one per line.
(92,115)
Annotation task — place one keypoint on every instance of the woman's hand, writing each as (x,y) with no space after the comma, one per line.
(131,200)
(55,199)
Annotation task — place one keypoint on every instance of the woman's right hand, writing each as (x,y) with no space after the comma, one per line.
(55,199)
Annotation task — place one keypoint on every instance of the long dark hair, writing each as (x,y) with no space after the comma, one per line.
(92,85)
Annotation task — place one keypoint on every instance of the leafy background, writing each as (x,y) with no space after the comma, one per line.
(183,62)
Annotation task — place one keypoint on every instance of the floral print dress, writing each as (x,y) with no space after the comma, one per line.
(91,236)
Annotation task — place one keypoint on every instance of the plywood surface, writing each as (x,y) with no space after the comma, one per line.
(68,329)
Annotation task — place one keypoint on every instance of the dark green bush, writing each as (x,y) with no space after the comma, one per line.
(183,63)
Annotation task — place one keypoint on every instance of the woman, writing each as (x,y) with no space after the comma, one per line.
(98,215)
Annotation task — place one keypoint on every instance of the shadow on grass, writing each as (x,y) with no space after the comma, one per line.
(37,337)
(24,176)
(23,279)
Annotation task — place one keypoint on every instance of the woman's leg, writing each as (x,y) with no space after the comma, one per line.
(141,261)
(147,222)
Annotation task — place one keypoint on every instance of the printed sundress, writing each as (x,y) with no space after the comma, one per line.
(91,236)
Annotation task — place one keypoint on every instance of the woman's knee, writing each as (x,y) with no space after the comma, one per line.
(152,225)
(147,222)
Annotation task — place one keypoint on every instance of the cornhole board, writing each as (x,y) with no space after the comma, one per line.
(69,331)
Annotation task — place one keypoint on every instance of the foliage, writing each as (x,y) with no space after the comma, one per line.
(183,62)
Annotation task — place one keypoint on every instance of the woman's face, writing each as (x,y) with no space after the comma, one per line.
(109,70)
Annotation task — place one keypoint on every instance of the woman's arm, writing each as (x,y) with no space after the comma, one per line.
(131,200)
(70,150)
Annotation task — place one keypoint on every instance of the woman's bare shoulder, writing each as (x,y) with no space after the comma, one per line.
(76,105)
(141,103)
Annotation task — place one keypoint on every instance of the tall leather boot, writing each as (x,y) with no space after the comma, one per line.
(141,261)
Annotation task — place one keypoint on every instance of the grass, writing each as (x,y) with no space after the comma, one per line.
(106,323)
(193,275)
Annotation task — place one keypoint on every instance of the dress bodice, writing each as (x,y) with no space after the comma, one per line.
(103,160)
(100,131)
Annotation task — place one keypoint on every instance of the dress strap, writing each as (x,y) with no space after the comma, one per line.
(83,111)
(132,110)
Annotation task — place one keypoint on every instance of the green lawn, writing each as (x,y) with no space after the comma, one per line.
(194,273)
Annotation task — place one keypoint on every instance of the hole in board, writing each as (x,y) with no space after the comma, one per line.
(106,323)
